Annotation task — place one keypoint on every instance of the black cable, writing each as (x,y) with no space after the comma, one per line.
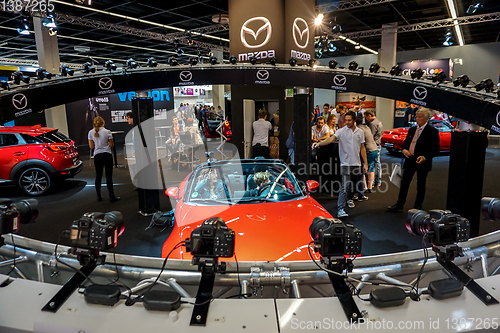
(14,245)
(62,262)
(426,257)
(238,273)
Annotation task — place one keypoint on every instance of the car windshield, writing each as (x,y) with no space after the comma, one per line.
(54,137)
(442,126)
(242,183)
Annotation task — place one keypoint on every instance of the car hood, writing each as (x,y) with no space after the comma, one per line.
(397,131)
(264,231)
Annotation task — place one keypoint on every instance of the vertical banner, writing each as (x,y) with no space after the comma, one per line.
(299,30)
(257,30)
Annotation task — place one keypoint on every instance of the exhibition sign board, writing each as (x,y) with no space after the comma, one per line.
(430,67)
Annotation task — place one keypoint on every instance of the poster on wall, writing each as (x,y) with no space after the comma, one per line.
(429,67)
(119,116)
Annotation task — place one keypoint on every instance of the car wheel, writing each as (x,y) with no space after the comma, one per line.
(34,181)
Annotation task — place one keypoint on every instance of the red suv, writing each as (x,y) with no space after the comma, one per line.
(35,157)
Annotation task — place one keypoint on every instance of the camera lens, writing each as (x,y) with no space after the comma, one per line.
(417,222)
(28,210)
(115,218)
(491,208)
(317,224)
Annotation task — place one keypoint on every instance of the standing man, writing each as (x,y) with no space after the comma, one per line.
(377,129)
(326,112)
(260,140)
(420,146)
(351,147)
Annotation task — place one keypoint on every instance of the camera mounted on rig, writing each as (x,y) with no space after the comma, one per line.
(334,238)
(12,214)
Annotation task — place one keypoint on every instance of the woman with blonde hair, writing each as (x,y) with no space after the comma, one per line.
(101,140)
(330,122)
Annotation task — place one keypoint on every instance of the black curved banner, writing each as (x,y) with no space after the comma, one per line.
(462,104)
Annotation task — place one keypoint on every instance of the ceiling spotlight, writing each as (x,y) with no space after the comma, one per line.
(312,63)
(24,27)
(486,84)
(132,64)
(462,80)
(475,6)
(374,68)
(319,19)
(439,77)
(292,61)
(43,74)
(49,21)
(332,63)
(253,60)
(448,38)
(273,61)
(172,61)
(65,70)
(353,65)
(152,62)
(318,53)
(52,32)
(233,60)
(331,47)
(213,60)
(193,61)
(417,73)
(110,65)
(357,46)
(89,68)
(4,85)
(395,70)
(19,76)
(178,50)
(336,28)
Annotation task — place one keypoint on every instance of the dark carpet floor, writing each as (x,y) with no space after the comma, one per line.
(383,232)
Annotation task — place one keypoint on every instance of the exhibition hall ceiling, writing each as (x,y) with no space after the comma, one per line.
(140,29)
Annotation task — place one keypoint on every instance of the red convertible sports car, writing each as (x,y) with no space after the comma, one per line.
(271,223)
(212,121)
(393,139)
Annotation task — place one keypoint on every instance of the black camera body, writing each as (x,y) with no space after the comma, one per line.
(97,231)
(12,214)
(442,226)
(213,239)
(333,238)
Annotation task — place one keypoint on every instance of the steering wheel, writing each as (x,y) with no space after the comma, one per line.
(263,188)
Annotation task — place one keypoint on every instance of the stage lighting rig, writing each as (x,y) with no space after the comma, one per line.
(41,74)
(273,61)
(233,60)
(193,61)
(253,60)
(463,80)
(110,65)
(65,70)
(395,70)
(439,77)
(417,73)
(19,76)
(374,68)
(331,46)
(353,65)
(88,68)
(4,85)
(477,4)
(332,63)
(24,27)
(312,63)
(486,84)
(132,64)
(172,61)
(318,53)
(213,60)
(292,61)
(152,62)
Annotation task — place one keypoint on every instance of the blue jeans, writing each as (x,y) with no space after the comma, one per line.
(378,168)
(351,176)
(291,153)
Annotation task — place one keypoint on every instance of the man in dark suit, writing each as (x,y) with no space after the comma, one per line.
(420,146)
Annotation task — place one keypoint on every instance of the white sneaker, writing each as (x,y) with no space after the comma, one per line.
(350,204)
(342,213)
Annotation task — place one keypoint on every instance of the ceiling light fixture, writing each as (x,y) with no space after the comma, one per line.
(24,27)
(319,19)
(172,61)
(19,76)
(395,70)
(132,64)
(417,73)
(213,60)
(43,74)
(475,6)
(233,60)
(332,63)
(152,62)
(462,80)
(374,68)
(65,70)
(292,61)
(439,77)
(353,65)
(273,61)
(193,61)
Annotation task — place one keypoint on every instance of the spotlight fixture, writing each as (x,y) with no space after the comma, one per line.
(19,76)
(132,64)
(475,6)
(24,27)
(353,65)
(172,61)
(193,61)
(273,61)
(319,19)
(89,68)
(292,61)
(312,63)
(332,63)
(52,32)
(213,60)
(233,60)
(4,85)
(395,70)
(65,70)
(178,50)
(253,60)
(374,68)
(336,28)
(49,21)
(330,46)
(357,46)
(448,38)
(43,74)
(439,77)
(463,80)
(110,65)
(152,62)
(486,84)
(318,53)
(417,73)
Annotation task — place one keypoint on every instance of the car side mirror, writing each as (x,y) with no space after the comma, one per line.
(312,185)
(172,192)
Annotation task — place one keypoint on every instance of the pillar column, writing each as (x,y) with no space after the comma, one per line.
(48,58)
(218,89)
(387,59)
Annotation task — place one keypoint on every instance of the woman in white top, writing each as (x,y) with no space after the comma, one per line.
(331,123)
(101,140)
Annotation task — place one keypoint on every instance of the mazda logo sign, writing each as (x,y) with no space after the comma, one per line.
(19,101)
(301,32)
(339,80)
(498,118)
(185,76)
(250,42)
(105,83)
(262,75)
(420,93)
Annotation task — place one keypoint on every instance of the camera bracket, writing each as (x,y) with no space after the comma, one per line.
(208,267)
(342,290)
(89,259)
(445,256)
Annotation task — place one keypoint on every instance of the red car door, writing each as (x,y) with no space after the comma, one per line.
(11,153)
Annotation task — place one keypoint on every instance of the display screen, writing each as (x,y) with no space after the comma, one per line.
(334,246)
(203,247)
(448,234)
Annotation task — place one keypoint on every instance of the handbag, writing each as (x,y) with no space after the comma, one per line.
(397,174)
